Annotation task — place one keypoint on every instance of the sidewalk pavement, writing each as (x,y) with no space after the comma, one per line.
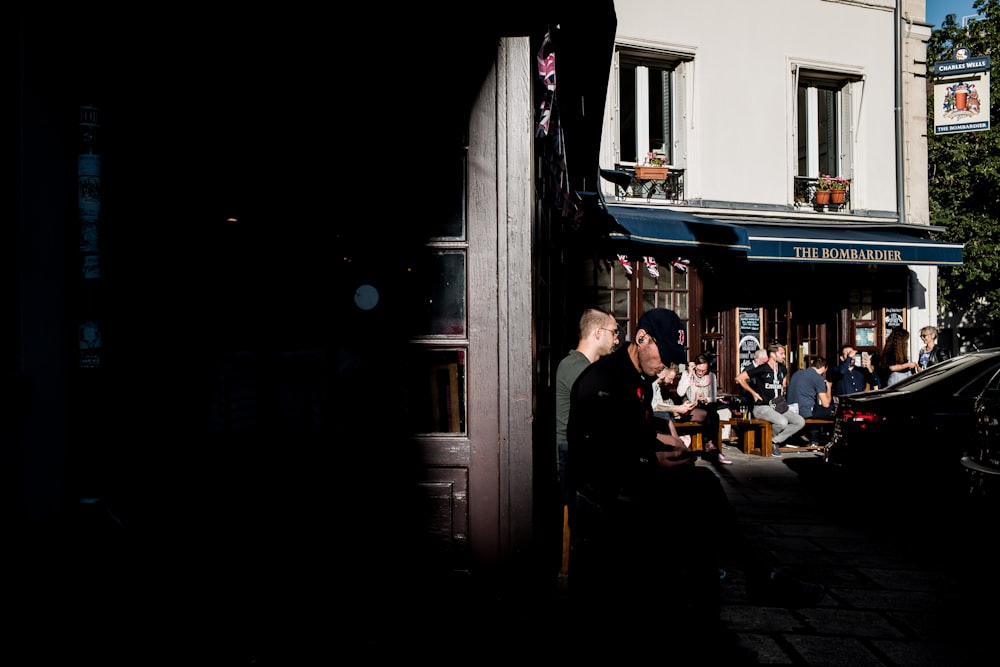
(910,580)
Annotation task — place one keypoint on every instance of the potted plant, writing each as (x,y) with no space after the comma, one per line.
(831,189)
(655,168)
(836,186)
(838,190)
(823,187)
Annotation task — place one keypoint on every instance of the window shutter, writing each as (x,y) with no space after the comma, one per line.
(847,132)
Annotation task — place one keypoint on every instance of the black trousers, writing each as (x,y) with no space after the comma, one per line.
(661,539)
(708,416)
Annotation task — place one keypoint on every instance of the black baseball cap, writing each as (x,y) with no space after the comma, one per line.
(665,327)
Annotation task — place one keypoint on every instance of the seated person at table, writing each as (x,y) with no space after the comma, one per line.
(812,395)
(665,403)
(764,383)
(746,400)
(699,387)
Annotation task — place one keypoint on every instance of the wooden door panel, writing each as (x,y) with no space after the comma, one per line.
(445,495)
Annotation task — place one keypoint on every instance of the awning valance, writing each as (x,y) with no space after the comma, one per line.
(811,243)
(668,227)
(774,243)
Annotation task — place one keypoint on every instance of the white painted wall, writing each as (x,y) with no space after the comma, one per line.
(740,100)
(741,122)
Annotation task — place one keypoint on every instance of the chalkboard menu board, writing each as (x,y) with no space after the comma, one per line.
(893,319)
(750,326)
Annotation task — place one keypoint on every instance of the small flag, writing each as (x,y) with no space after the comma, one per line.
(624,260)
(651,267)
(546,60)
(681,264)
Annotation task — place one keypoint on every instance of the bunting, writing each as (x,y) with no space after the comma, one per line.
(547,74)
(651,266)
(549,128)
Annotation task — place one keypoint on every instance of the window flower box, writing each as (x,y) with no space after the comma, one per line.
(649,173)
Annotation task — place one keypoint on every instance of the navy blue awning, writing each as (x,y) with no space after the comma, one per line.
(668,227)
(803,243)
(807,242)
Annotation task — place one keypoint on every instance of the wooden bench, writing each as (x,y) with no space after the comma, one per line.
(694,430)
(815,422)
(821,422)
(753,435)
(685,428)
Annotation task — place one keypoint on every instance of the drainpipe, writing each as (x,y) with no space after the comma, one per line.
(900,194)
(898,51)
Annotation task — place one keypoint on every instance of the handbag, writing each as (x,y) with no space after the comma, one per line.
(779,404)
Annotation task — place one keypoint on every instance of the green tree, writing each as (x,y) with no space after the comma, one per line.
(964,178)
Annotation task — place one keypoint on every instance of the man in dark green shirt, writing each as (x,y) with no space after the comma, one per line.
(598,337)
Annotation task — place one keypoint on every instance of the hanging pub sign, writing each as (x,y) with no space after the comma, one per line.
(962,93)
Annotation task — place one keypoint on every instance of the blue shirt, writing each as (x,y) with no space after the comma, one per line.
(848,378)
(803,387)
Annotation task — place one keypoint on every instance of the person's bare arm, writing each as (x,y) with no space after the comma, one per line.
(682,408)
(826,398)
(742,380)
(683,383)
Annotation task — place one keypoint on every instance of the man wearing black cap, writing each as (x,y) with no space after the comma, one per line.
(609,428)
(641,505)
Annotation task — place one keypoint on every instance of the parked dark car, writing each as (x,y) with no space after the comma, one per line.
(923,424)
(982,462)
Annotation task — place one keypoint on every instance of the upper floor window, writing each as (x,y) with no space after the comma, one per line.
(650,94)
(825,123)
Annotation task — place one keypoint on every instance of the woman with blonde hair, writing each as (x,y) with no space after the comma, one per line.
(931,353)
(894,362)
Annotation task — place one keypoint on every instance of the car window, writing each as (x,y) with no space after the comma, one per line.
(976,382)
(994,384)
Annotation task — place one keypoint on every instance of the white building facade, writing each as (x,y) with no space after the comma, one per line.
(749,113)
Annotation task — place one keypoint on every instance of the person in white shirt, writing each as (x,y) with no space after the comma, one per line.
(664,404)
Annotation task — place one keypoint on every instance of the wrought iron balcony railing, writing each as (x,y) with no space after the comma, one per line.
(669,187)
(806,191)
